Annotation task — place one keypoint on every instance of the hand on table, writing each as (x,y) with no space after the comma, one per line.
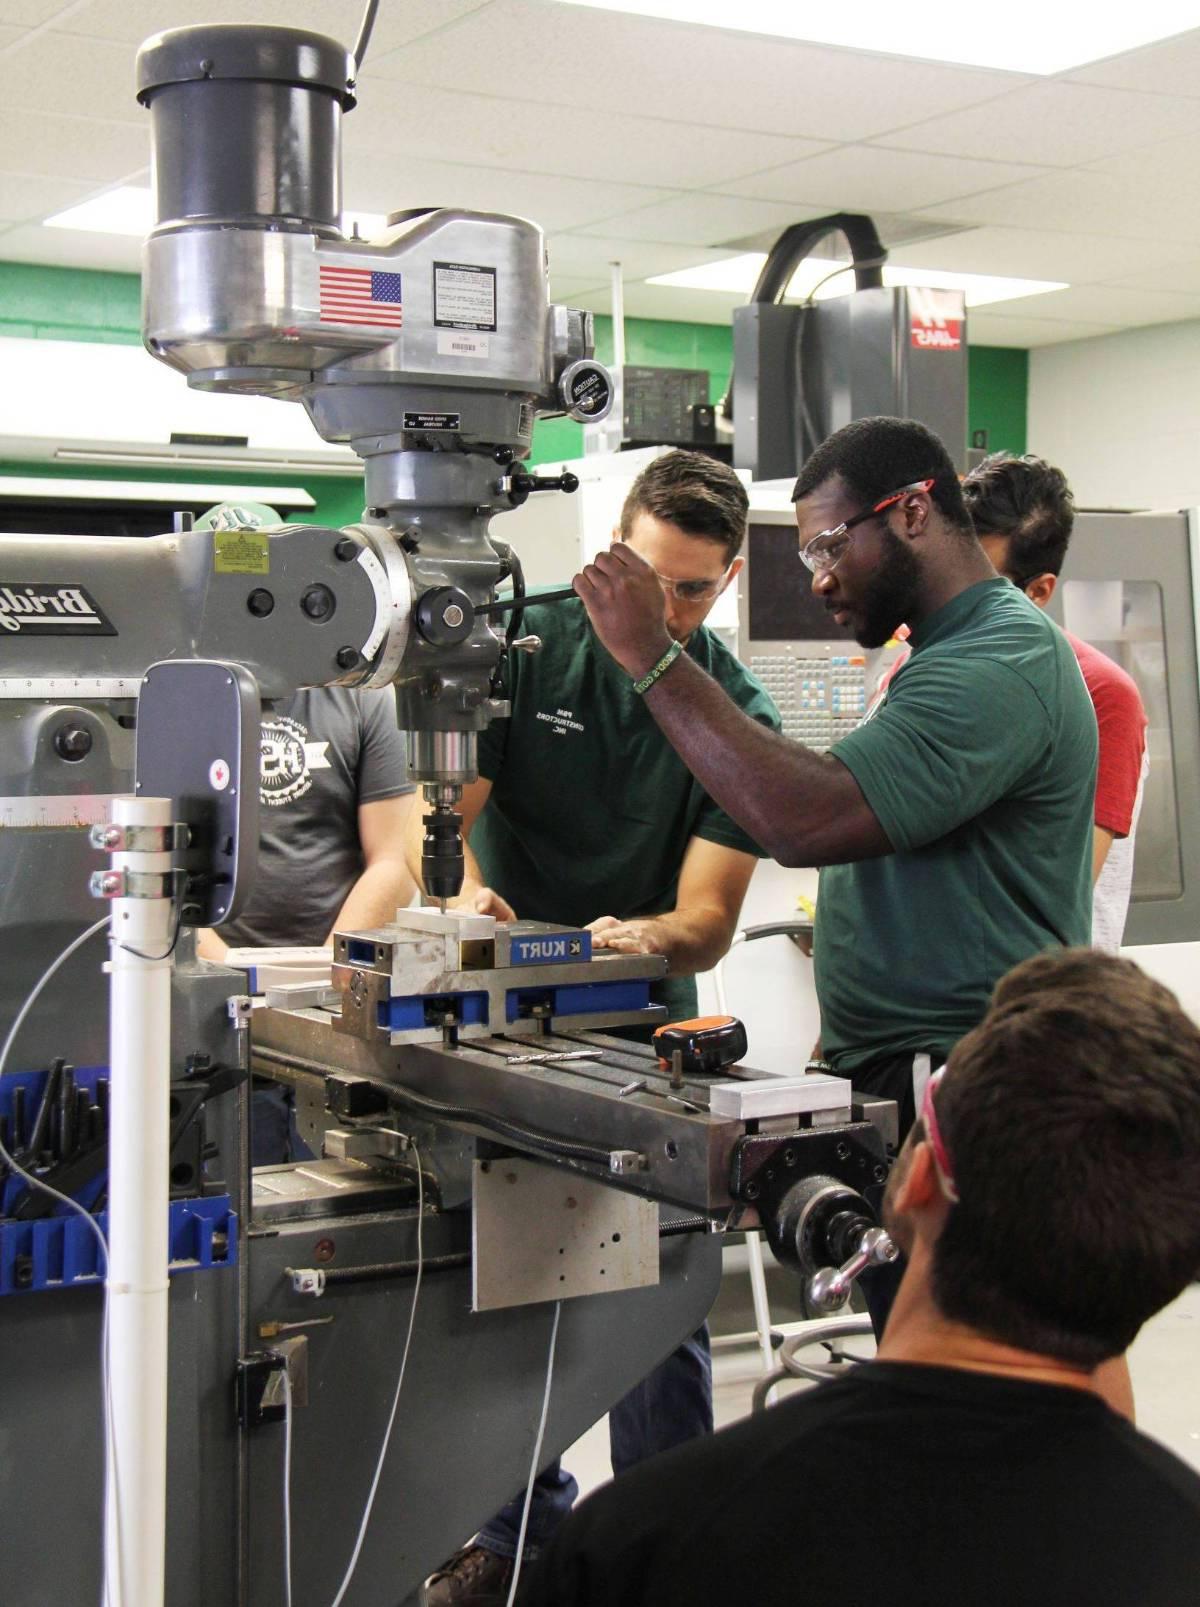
(628,937)
(487,901)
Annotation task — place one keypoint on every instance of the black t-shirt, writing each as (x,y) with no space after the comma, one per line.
(898,1486)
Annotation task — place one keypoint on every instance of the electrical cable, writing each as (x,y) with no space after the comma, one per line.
(387,1436)
(287,1487)
(31,999)
(537,1458)
(365,29)
(73,1205)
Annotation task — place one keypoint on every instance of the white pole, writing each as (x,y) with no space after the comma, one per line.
(138,1192)
(618,316)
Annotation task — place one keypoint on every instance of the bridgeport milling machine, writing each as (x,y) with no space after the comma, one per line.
(481,1140)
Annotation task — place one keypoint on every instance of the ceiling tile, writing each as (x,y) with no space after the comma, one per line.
(593,254)
(1105,304)
(1169,68)
(624,148)
(1179,276)
(1039,254)
(705,219)
(606,62)
(986,329)
(22,14)
(871,177)
(58,72)
(72,147)
(71,248)
(1056,124)
(552,202)
(679,306)
(1081,200)
(566,288)
(132,21)
(27,197)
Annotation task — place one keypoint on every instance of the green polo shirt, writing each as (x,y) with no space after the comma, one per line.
(591,809)
(980,765)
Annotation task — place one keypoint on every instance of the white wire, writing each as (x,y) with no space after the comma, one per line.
(537,1457)
(387,1436)
(287,1487)
(18,1023)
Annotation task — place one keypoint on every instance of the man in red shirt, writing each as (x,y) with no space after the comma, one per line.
(1023,513)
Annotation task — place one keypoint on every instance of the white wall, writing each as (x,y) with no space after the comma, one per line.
(1120,415)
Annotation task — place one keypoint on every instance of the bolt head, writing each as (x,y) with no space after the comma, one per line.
(347,657)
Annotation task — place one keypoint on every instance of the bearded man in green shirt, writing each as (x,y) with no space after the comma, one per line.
(954,826)
(584,814)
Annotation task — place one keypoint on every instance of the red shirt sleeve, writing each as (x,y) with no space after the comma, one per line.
(1121,720)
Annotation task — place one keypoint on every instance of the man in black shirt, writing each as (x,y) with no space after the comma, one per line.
(1048,1199)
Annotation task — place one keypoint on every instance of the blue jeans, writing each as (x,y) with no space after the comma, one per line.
(671,1405)
(274,1136)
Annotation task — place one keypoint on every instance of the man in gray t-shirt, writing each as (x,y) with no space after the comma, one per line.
(335,797)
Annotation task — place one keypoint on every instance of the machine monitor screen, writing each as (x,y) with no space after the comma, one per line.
(780,602)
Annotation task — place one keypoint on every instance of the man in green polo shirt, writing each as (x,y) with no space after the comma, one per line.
(584,814)
(954,825)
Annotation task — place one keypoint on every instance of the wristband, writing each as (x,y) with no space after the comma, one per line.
(661,668)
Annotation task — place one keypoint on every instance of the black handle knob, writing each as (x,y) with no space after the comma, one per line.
(519,484)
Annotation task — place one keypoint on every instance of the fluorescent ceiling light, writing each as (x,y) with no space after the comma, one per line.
(1028,37)
(129,209)
(737,275)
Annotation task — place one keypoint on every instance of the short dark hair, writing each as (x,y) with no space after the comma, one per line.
(1071,1116)
(875,456)
(1028,501)
(699,494)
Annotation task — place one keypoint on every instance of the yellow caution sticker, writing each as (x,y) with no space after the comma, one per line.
(241,552)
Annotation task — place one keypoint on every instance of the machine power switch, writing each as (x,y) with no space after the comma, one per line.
(707,1045)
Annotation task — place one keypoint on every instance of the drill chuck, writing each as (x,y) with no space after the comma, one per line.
(442,853)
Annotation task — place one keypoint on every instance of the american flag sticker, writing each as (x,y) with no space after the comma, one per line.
(361,296)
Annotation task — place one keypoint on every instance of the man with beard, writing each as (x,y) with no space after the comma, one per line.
(954,826)
(1049,1202)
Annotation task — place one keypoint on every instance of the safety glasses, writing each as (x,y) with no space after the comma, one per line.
(826,550)
(941,1155)
(693,591)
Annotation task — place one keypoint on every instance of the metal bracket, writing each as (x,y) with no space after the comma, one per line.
(539,1233)
(116,839)
(136,883)
(764,1166)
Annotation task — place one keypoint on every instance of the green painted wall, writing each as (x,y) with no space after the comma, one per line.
(41,303)
(998,396)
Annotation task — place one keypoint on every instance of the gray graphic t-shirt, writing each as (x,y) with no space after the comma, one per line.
(324,752)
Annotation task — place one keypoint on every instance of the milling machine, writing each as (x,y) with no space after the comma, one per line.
(481,1134)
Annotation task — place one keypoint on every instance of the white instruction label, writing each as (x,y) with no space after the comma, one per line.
(462,343)
(464,296)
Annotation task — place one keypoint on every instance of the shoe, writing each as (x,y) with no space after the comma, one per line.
(473,1577)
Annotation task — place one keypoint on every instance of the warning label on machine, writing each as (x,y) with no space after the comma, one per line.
(464,296)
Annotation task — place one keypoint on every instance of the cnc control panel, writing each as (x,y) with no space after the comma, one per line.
(821,692)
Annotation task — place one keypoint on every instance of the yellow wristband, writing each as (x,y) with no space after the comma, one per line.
(663,665)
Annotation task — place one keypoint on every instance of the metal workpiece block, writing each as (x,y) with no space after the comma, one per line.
(803,1095)
(539,1233)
